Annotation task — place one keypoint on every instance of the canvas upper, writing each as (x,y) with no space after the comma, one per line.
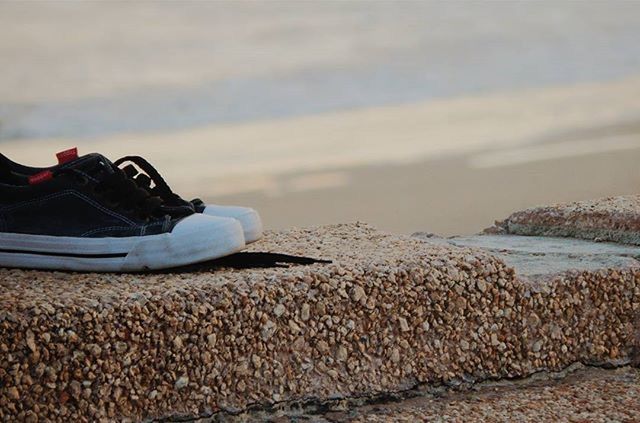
(80,197)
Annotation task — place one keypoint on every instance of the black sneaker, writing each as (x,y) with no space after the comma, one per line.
(87,214)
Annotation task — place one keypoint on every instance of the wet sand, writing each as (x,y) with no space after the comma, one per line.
(448,166)
(447,196)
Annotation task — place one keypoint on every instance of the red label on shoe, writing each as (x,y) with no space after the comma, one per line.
(41,177)
(67,155)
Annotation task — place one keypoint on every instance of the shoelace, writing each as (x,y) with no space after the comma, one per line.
(246,260)
(160,188)
(120,191)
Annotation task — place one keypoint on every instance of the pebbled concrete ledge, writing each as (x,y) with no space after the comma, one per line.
(615,219)
(389,313)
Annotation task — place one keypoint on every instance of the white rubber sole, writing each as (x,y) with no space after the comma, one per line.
(248,218)
(194,239)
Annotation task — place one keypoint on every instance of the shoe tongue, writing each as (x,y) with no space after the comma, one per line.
(93,164)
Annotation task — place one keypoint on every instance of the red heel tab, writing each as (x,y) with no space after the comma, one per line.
(41,177)
(67,155)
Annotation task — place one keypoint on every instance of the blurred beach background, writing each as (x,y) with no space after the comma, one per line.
(412,116)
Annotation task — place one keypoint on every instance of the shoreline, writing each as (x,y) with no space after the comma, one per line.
(476,158)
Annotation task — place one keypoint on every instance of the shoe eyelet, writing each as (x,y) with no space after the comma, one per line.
(82,181)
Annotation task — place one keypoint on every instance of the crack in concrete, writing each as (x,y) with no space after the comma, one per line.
(313,407)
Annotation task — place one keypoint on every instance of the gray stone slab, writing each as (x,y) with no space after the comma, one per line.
(533,256)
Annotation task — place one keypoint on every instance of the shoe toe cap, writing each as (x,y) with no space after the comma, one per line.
(248,218)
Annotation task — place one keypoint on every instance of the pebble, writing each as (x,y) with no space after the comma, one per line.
(341,353)
(31,341)
(177,343)
(182,382)
(13,393)
(305,312)
(537,346)
(358,294)
(279,310)
(211,339)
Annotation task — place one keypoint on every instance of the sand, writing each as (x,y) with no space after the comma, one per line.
(449,166)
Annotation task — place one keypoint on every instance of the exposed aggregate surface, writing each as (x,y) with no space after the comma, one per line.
(615,219)
(390,312)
